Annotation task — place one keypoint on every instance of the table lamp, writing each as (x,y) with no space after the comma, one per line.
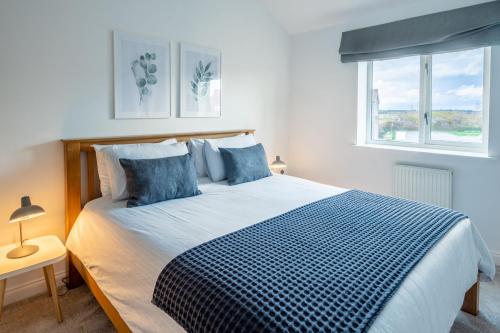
(26,212)
(278,164)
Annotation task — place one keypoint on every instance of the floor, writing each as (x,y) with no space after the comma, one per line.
(82,314)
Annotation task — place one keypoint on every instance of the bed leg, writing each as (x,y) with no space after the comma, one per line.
(471,299)
(74,278)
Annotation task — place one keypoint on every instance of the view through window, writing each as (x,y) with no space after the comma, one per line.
(395,99)
(457,96)
(428,100)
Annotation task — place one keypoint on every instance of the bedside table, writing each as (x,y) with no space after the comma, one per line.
(51,250)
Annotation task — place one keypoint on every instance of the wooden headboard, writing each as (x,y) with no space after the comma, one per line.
(77,151)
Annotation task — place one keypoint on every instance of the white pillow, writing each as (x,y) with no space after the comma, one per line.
(102,169)
(116,173)
(215,164)
(195,147)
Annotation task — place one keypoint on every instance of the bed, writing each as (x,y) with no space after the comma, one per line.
(120,252)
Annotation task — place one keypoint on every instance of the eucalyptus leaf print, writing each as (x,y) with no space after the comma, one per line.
(201,80)
(144,73)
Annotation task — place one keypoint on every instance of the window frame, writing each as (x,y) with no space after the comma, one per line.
(365,83)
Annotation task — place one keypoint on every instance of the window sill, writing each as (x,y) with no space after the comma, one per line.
(426,150)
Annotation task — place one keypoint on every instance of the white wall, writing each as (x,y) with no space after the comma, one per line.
(323,124)
(56,82)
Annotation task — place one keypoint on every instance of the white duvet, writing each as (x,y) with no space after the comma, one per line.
(126,249)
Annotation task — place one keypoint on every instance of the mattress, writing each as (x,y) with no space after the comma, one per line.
(125,250)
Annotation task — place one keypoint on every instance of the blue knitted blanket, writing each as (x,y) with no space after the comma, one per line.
(329,266)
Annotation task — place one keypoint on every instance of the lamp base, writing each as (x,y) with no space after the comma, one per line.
(22,251)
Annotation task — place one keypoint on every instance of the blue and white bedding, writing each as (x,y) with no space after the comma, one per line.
(330,266)
(147,238)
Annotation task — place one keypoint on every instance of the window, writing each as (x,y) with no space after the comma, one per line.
(457,97)
(433,101)
(395,100)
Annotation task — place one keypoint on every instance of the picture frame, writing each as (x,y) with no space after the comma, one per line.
(200,81)
(142,76)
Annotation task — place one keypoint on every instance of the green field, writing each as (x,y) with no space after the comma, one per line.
(462,123)
(465,132)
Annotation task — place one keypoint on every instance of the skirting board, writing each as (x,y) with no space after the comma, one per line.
(32,287)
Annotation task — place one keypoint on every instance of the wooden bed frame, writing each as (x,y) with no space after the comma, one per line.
(79,155)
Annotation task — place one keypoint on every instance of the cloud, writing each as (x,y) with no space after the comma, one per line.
(397,69)
(464,63)
(396,97)
(457,81)
(397,81)
(468,91)
(464,97)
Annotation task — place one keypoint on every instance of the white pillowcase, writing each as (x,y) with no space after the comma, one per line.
(215,164)
(195,147)
(113,154)
(102,169)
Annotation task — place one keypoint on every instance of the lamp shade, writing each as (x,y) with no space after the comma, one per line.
(278,164)
(26,212)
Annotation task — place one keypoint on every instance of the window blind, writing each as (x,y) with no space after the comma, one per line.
(453,30)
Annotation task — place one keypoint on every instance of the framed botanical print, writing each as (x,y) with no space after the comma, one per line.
(200,81)
(142,76)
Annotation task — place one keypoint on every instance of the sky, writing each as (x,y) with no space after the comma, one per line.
(457,81)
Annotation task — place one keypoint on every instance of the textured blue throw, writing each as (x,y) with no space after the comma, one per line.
(329,266)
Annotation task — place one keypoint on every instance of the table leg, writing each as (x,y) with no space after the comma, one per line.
(3,284)
(47,282)
(49,272)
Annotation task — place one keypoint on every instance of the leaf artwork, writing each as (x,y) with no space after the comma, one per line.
(201,80)
(144,74)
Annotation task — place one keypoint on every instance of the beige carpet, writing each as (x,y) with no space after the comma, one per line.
(82,314)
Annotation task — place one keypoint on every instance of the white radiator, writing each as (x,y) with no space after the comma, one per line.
(433,186)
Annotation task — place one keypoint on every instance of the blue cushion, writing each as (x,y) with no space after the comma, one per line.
(160,179)
(212,155)
(245,164)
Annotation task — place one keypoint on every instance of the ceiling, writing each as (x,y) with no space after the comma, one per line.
(298,16)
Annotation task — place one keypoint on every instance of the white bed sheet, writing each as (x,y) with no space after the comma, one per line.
(126,249)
